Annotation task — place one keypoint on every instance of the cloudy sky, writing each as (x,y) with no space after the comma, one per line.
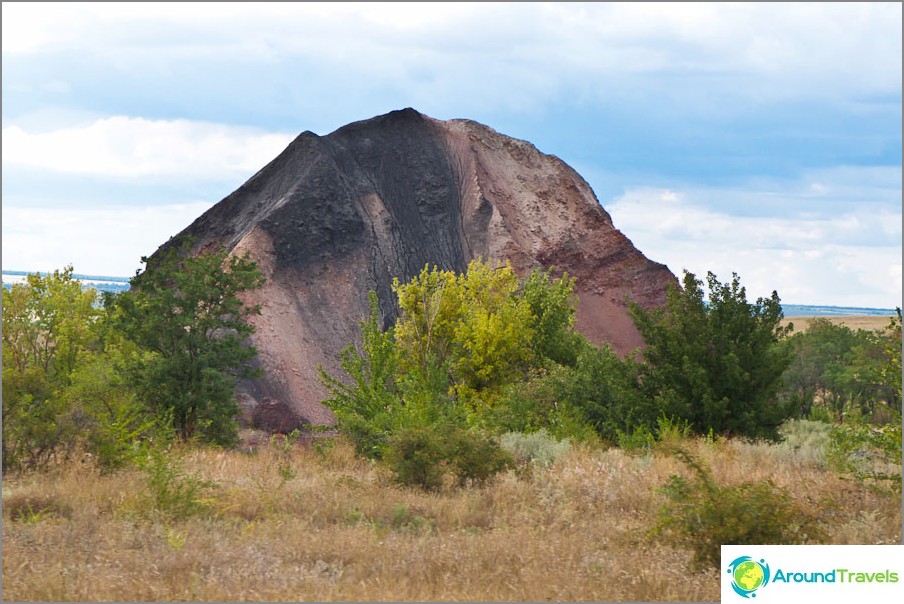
(761,139)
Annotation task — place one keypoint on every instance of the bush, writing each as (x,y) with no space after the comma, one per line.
(603,390)
(536,447)
(417,458)
(170,491)
(667,433)
(110,420)
(805,440)
(543,403)
(640,439)
(670,433)
(702,515)
(475,457)
(422,457)
(30,508)
(867,452)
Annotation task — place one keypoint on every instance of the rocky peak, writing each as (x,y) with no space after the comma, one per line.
(336,216)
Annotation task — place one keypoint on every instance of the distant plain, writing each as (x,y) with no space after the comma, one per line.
(855,322)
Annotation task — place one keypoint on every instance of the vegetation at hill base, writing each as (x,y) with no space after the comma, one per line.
(97,374)
(186,317)
(716,364)
(486,450)
(481,353)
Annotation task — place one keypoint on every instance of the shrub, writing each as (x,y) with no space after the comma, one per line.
(110,420)
(603,390)
(536,447)
(422,457)
(543,403)
(280,448)
(640,439)
(403,520)
(671,432)
(416,456)
(30,508)
(702,515)
(367,402)
(668,433)
(867,452)
(170,491)
(475,457)
(805,439)
(819,413)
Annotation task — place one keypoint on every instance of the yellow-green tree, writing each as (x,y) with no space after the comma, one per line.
(891,372)
(420,394)
(475,326)
(462,340)
(62,388)
(49,322)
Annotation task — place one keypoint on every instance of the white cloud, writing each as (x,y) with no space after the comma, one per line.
(772,50)
(129,147)
(849,259)
(98,241)
(831,236)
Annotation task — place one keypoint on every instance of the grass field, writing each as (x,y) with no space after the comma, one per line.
(302,523)
(869,323)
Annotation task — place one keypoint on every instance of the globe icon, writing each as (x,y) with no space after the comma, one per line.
(748,575)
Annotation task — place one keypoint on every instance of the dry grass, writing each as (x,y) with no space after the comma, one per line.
(335,528)
(866,322)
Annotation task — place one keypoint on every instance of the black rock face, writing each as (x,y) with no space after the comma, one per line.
(309,200)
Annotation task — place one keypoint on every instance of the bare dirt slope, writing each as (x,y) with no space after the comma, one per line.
(334,217)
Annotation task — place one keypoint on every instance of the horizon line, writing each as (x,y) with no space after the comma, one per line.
(83,276)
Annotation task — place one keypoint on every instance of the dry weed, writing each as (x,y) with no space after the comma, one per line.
(321,524)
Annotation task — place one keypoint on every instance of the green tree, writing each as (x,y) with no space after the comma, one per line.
(552,306)
(891,371)
(368,403)
(185,313)
(716,364)
(49,323)
(867,444)
(605,390)
(842,369)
